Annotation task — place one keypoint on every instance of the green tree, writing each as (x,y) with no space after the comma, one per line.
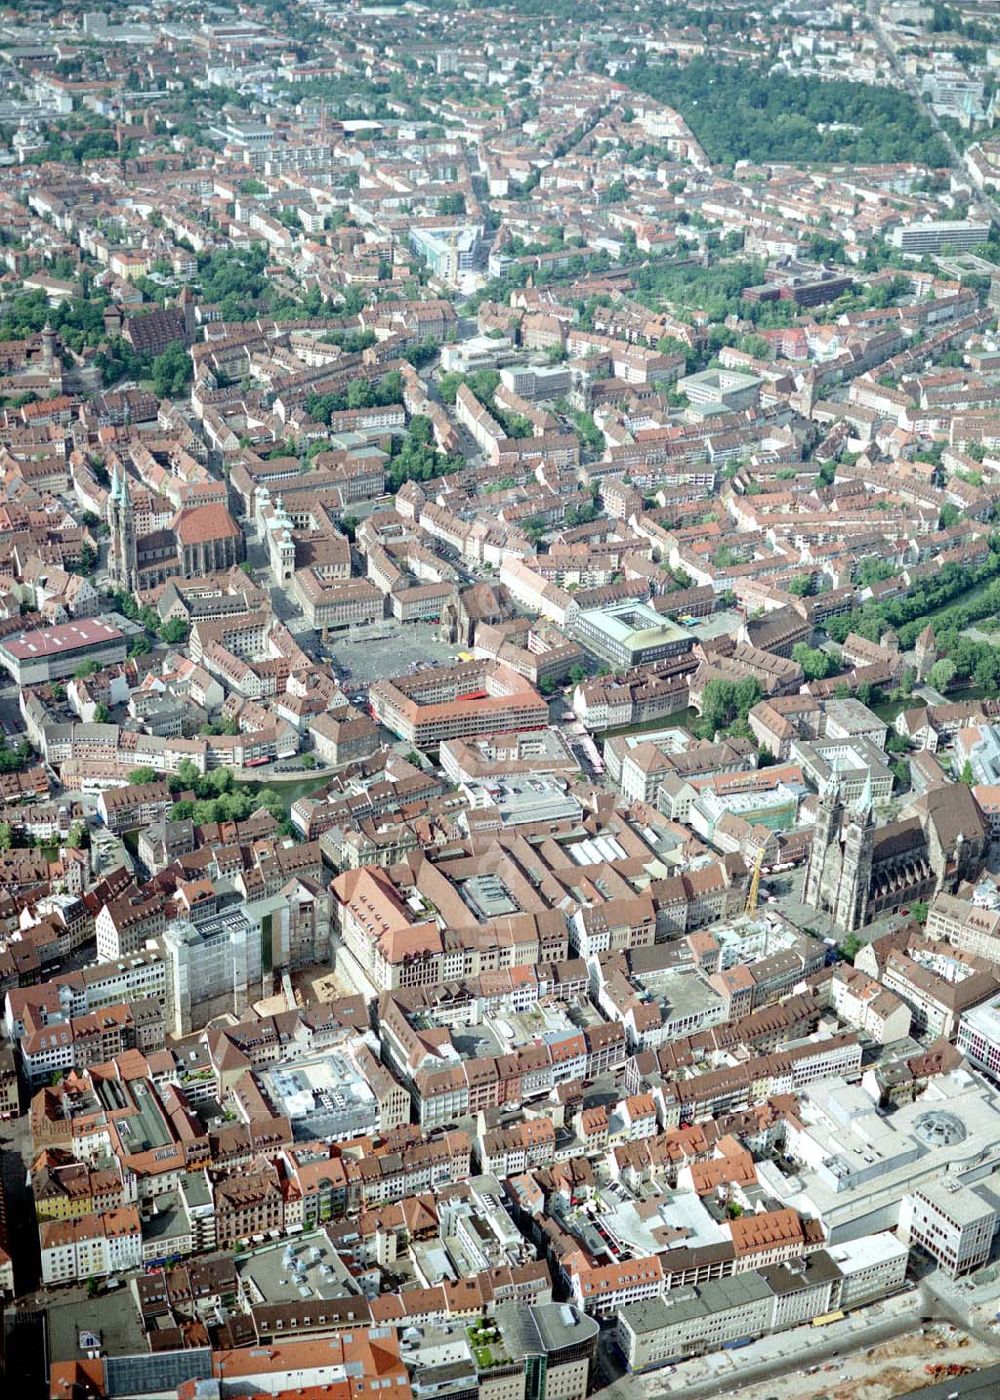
(174,630)
(101,713)
(743,112)
(415,458)
(816,664)
(125,604)
(727,703)
(138,776)
(942,673)
(87,562)
(850,947)
(186,776)
(874,570)
(220,726)
(6,836)
(360,394)
(79,837)
(13,759)
(172,372)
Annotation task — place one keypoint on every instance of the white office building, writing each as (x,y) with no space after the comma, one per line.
(979,1036)
(954,1223)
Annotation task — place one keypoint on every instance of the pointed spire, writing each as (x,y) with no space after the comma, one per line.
(865,801)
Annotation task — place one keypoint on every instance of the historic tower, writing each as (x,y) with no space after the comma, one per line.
(925,652)
(851,909)
(826,835)
(48,348)
(123,563)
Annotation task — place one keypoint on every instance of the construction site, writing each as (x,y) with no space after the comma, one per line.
(929,1356)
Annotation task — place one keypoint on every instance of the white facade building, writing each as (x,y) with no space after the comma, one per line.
(952,1222)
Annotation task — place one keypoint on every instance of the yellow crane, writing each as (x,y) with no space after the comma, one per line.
(754,892)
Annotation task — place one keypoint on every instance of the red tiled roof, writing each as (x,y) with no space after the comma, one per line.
(202,523)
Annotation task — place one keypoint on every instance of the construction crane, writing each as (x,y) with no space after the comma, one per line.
(750,908)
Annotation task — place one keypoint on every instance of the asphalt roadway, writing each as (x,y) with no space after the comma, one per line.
(981,1385)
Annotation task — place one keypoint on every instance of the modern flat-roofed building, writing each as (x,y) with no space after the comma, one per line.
(720,390)
(774,807)
(737,1308)
(979,1036)
(667,1328)
(525,800)
(323,1098)
(952,1222)
(553,1345)
(852,767)
(930,236)
(52,653)
(858,1169)
(870,1267)
(630,634)
(448,251)
(849,719)
(536,381)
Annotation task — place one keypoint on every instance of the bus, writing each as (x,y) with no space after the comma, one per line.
(825,1318)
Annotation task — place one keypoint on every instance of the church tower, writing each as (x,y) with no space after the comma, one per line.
(826,835)
(851,910)
(123,563)
(185,304)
